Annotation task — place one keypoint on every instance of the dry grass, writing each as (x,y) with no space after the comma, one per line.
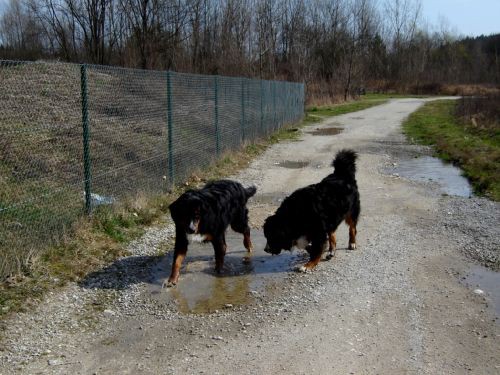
(469,90)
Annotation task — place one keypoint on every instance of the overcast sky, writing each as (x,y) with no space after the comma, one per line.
(467,17)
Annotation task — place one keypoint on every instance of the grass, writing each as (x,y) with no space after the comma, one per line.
(318,113)
(476,151)
(93,242)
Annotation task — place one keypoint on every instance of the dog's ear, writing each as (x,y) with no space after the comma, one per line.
(195,205)
(174,209)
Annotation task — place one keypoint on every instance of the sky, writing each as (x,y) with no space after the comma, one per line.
(467,17)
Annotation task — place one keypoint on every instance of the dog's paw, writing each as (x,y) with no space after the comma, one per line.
(246,260)
(168,284)
(302,269)
(329,256)
(352,246)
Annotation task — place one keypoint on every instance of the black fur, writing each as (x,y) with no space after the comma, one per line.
(316,211)
(214,207)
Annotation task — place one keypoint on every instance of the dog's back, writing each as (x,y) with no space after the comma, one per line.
(314,212)
(204,215)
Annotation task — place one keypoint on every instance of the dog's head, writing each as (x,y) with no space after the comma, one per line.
(186,213)
(277,234)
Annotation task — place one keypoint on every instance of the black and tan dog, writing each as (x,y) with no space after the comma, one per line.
(204,215)
(309,217)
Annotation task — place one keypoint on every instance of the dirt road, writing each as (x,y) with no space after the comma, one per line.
(403,302)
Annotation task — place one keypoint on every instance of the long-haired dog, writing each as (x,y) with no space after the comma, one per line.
(309,217)
(204,215)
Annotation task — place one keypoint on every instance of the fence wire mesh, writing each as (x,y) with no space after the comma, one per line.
(76,136)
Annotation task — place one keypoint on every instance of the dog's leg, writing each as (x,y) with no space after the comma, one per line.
(315,252)
(352,232)
(219,244)
(332,248)
(180,250)
(247,242)
(240,225)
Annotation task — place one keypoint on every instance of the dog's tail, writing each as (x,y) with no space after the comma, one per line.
(345,163)
(250,191)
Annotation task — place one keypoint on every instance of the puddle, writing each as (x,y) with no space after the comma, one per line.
(200,290)
(427,168)
(268,198)
(327,131)
(292,164)
(488,281)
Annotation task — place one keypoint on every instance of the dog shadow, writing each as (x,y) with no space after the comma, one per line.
(128,271)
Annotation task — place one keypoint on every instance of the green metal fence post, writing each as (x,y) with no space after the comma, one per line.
(216,119)
(170,125)
(242,110)
(86,140)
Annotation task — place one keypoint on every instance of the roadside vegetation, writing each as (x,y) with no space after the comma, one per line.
(465,132)
(94,241)
(316,113)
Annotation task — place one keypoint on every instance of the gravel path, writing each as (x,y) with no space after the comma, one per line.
(396,305)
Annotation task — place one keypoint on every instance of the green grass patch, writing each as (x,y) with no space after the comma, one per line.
(476,151)
(316,114)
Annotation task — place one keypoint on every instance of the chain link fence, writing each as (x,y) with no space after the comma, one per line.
(76,136)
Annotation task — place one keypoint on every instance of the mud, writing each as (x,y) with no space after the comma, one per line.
(292,164)
(327,131)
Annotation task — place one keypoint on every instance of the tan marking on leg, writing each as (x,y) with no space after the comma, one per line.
(219,258)
(332,248)
(179,256)
(247,242)
(332,238)
(310,265)
(314,260)
(352,232)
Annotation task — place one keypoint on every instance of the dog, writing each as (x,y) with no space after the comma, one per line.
(309,217)
(204,215)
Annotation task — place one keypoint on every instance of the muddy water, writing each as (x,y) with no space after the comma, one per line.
(200,290)
(272,199)
(327,131)
(488,281)
(428,169)
(291,164)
